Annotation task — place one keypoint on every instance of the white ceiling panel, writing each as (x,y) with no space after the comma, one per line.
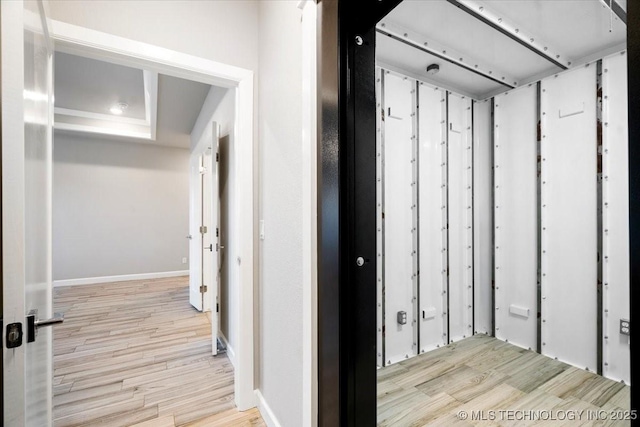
(85,84)
(450,76)
(577,30)
(444,23)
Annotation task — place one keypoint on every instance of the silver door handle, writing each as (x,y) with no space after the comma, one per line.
(189,237)
(33,323)
(57,318)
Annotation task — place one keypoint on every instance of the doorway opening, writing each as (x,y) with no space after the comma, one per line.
(137,167)
(236,86)
(437,194)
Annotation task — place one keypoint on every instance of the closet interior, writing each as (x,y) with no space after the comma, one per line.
(502,179)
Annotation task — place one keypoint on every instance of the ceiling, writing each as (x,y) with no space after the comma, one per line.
(161,109)
(88,85)
(484,47)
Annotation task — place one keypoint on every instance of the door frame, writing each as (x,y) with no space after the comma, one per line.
(346,206)
(82,41)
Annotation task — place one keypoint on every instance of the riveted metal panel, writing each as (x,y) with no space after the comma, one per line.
(399,203)
(615,218)
(432,222)
(569,217)
(379,222)
(482,218)
(516,216)
(460,177)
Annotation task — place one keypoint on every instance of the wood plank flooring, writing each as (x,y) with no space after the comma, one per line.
(483,373)
(137,353)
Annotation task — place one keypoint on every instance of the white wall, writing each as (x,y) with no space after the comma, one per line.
(225,31)
(281,277)
(219,107)
(265,37)
(118,208)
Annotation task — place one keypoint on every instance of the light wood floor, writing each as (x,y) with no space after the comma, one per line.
(482,373)
(137,353)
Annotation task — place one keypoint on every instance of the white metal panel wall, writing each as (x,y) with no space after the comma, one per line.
(569,217)
(460,202)
(615,218)
(482,218)
(379,222)
(398,213)
(516,216)
(432,219)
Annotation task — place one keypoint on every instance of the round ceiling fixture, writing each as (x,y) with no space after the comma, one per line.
(433,69)
(119,108)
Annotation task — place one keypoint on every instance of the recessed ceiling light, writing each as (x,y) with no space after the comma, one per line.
(119,108)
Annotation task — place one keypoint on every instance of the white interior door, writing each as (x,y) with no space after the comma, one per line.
(27,119)
(204,247)
(203,232)
(195,235)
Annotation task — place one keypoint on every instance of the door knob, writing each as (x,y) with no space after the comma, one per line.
(33,323)
(210,247)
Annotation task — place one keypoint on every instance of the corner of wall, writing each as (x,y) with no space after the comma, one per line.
(265,411)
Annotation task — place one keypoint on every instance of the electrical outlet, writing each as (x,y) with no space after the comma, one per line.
(402,317)
(625,327)
(184,260)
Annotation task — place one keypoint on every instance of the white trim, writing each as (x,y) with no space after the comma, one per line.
(151,100)
(101,130)
(267,414)
(247,238)
(231,354)
(309,216)
(95,44)
(119,278)
(99,116)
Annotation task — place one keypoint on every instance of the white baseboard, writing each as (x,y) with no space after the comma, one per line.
(121,278)
(266,412)
(230,352)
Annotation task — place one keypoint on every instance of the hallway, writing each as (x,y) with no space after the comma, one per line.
(137,352)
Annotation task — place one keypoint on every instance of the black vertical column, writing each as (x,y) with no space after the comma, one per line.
(362,174)
(347,206)
(329,390)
